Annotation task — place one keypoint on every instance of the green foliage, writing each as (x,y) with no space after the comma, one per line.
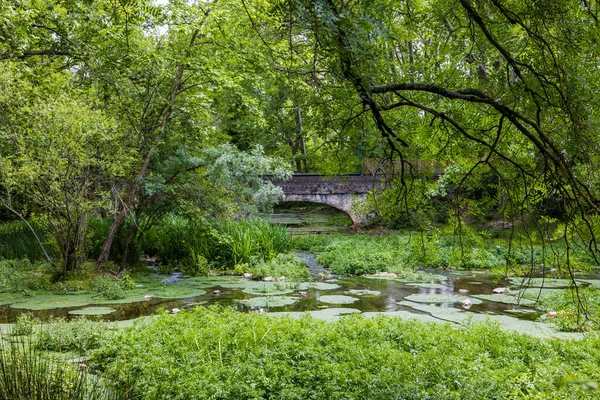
(27,373)
(79,334)
(222,245)
(197,354)
(287,265)
(576,310)
(21,276)
(17,241)
(24,325)
(112,288)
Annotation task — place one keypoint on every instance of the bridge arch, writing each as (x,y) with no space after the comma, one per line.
(333,203)
(341,192)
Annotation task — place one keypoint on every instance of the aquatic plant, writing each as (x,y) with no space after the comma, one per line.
(28,373)
(17,241)
(223,245)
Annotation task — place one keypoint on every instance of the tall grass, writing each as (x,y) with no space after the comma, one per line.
(28,374)
(226,244)
(17,241)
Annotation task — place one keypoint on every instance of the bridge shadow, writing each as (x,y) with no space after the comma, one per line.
(305,217)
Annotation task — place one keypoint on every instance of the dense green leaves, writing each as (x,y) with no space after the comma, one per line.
(215,353)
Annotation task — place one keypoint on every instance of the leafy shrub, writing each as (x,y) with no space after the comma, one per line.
(196,355)
(112,288)
(78,334)
(577,311)
(20,276)
(24,325)
(287,265)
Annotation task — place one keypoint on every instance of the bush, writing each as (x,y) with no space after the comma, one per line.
(24,325)
(287,265)
(112,288)
(574,314)
(216,353)
(21,276)
(78,335)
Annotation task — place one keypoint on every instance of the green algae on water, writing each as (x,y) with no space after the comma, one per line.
(93,311)
(337,299)
(440,298)
(364,292)
(270,301)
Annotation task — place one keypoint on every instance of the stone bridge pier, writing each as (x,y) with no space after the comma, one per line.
(346,193)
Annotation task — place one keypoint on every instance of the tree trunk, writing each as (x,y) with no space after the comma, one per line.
(112,232)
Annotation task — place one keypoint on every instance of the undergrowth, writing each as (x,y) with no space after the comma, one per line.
(220,353)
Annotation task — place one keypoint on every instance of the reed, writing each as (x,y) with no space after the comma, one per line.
(26,373)
(17,241)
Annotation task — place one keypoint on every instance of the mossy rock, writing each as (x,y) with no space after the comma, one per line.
(440,298)
(270,301)
(338,299)
(93,311)
(364,292)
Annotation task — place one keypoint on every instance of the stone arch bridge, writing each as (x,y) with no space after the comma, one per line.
(346,193)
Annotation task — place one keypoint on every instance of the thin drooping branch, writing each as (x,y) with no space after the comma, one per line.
(37,238)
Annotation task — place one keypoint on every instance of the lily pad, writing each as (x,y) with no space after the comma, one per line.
(439,298)
(227,282)
(337,299)
(318,286)
(268,301)
(9,298)
(402,315)
(428,285)
(267,289)
(50,301)
(539,282)
(459,316)
(364,292)
(93,311)
(505,299)
(593,282)
(176,292)
(533,293)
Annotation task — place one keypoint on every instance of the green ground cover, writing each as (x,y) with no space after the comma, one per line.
(220,353)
